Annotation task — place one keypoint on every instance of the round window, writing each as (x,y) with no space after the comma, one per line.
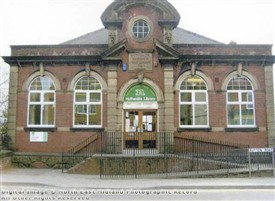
(141,29)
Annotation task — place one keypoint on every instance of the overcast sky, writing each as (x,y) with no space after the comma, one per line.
(29,22)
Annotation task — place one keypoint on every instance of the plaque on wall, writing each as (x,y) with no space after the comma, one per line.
(139,61)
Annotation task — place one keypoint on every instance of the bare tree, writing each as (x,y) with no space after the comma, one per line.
(5,139)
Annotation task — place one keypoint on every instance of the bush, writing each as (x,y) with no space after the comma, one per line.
(4,137)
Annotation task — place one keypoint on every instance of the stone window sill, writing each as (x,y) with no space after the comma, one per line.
(241,129)
(87,129)
(194,129)
(40,129)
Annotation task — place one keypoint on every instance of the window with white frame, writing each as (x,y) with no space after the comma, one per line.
(87,103)
(193,103)
(41,103)
(240,103)
(141,29)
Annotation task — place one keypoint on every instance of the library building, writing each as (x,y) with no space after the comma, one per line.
(142,83)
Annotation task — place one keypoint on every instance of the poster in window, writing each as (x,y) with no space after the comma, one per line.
(127,125)
(149,127)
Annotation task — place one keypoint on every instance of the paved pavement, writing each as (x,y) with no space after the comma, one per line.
(14,180)
(56,178)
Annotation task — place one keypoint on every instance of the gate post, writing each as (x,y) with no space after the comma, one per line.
(273,161)
(134,164)
(249,162)
(101,152)
(165,157)
(62,162)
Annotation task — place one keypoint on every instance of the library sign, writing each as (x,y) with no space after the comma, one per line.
(140,93)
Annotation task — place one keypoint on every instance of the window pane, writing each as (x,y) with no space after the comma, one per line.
(186,115)
(35,97)
(34,114)
(250,97)
(140,29)
(80,115)
(42,83)
(80,97)
(193,83)
(94,84)
(47,84)
(95,97)
(36,84)
(247,97)
(146,29)
(234,115)
(48,115)
(186,97)
(200,97)
(88,83)
(201,115)
(233,97)
(239,83)
(148,122)
(49,97)
(95,115)
(247,115)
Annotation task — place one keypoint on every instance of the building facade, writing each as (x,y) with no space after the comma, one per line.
(139,74)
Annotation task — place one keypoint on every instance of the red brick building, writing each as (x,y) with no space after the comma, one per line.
(140,74)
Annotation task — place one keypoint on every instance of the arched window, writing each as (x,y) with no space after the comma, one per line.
(240,103)
(41,103)
(87,103)
(193,103)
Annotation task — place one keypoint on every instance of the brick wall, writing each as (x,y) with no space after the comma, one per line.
(63,139)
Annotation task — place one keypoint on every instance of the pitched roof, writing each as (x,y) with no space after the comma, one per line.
(93,38)
(180,36)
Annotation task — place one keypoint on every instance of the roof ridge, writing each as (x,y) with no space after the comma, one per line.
(199,35)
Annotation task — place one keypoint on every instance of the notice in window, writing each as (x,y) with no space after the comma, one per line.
(149,127)
(127,125)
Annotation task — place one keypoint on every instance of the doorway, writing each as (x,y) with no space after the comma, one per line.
(140,129)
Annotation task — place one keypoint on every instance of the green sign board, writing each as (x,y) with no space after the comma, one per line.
(140,93)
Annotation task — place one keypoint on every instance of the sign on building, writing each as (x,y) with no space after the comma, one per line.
(260,150)
(38,136)
(138,61)
(140,93)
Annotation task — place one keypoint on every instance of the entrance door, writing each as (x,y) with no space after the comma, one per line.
(140,129)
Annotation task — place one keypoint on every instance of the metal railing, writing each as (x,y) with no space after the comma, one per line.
(164,154)
(82,151)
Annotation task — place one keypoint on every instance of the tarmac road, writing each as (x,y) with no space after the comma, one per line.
(37,184)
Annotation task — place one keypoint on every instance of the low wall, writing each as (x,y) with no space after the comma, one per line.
(37,160)
(142,165)
(5,159)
